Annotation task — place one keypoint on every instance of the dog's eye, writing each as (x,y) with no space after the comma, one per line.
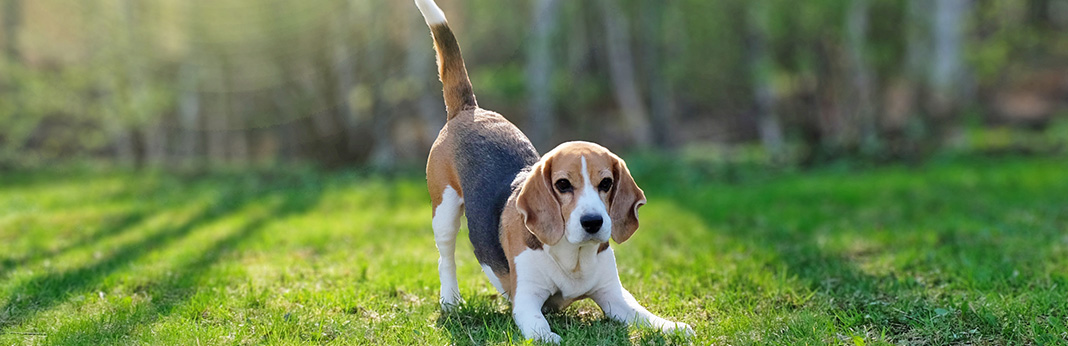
(605,185)
(564,186)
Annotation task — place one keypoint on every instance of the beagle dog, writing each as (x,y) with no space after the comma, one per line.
(539,224)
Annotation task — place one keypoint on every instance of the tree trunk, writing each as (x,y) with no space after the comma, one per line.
(134,90)
(661,94)
(155,142)
(947,72)
(621,71)
(903,121)
(189,113)
(293,73)
(762,69)
(344,60)
(830,119)
(947,83)
(287,131)
(236,125)
(12,19)
(1039,14)
(217,120)
(216,129)
(539,69)
(860,104)
(917,39)
(383,154)
(125,145)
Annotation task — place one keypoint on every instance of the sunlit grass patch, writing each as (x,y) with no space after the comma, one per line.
(964,252)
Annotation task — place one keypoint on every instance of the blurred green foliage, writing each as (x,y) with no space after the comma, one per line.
(340,81)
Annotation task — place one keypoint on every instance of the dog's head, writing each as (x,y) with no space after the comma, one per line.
(580,192)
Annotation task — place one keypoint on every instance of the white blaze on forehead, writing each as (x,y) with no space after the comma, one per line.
(431,12)
(589,199)
(585,173)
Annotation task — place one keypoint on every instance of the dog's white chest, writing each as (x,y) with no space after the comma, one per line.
(573,272)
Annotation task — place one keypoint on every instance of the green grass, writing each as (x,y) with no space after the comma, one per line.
(963,252)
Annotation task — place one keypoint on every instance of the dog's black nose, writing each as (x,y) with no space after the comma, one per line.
(591,222)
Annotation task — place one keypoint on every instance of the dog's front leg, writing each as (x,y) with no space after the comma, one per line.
(528,316)
(618,304)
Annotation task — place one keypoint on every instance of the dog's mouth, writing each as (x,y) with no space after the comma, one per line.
(593,238)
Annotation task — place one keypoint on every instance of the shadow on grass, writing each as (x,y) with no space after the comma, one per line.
(44,292)
(961,246)
(116,227)
(483,321)
(174,291)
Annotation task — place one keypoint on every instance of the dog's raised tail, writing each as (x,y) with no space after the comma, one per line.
(451,70)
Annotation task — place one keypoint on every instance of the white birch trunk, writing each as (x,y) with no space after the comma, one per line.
(621,71)
(861,75)
(762,68)
(344,60)
(188,113)
(539,70)
(947,70)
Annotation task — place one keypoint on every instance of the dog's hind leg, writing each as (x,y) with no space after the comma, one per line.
(446,224)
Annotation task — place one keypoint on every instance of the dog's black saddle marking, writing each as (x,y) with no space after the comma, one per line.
(488,161)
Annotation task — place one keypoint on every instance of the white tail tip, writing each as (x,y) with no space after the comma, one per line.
(431,12)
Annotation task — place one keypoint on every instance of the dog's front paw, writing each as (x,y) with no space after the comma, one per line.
(547,337)
(677,327)
(451,306)
(450,302)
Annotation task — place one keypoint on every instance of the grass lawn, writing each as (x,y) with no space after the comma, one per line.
(955,252)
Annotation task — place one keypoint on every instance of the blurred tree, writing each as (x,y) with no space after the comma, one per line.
(344,61)
(232,105)
(12,15)
(383,152)
(1038,13)
(287,95)
(762,69)
(350,81)
(860,102)
(661,95)
(10,141)
(948,70)
(189,111)
(216,117)
(539,71)
(118,85)
(901,124)
(146,133)
(622,72)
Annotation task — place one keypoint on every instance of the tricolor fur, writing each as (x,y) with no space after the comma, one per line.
(539,225)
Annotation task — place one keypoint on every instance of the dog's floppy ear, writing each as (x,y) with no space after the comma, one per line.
(539,207)
(626,199)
